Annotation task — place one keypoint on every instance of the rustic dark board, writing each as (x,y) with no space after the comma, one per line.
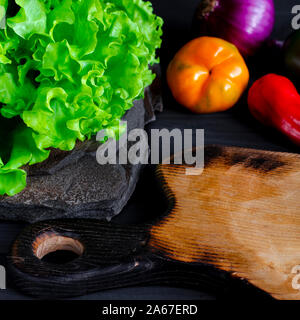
(235,127)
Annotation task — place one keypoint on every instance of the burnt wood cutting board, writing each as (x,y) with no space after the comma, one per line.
(236,225)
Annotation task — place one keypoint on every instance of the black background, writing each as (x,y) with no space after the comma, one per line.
(235,127)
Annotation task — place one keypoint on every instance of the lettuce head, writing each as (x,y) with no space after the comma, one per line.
(68,69)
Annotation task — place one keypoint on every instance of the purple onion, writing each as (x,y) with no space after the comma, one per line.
(245,23)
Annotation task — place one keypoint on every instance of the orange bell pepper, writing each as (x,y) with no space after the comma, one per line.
(208,75)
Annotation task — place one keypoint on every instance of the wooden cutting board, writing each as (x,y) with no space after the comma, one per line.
(237,222)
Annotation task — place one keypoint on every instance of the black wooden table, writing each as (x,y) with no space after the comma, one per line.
(235,127)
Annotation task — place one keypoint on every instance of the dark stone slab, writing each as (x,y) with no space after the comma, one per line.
(73,184)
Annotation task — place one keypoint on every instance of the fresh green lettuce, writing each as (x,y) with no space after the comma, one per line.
(68,69)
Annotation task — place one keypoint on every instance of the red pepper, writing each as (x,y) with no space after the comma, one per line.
(275,102)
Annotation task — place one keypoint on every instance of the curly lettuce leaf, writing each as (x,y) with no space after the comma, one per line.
(68,69)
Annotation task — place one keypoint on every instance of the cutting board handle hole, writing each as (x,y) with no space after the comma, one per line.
(57,249)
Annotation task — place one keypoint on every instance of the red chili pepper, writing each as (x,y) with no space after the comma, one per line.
(275,102)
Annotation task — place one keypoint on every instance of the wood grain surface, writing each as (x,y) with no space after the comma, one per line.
(239,219)
(241,215)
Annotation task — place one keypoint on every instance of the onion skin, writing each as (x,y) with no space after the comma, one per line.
(245,23)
